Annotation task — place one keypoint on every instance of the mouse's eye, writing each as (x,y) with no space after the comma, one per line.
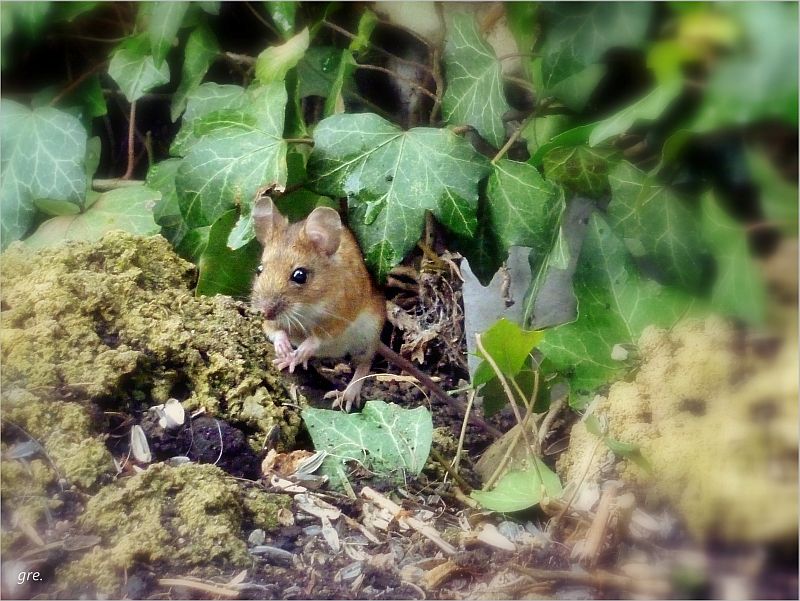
(259,269)
(299,275)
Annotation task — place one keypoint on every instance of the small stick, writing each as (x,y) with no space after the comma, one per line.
(424,529)
(131,131)
(207,587)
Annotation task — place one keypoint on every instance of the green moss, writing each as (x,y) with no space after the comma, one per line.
(26,497)
(718,424)
(184,517)
(116,319)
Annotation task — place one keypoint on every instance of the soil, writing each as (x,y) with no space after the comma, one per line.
(95,335)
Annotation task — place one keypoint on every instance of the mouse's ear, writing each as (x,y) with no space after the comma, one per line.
(324,229)
(267,218)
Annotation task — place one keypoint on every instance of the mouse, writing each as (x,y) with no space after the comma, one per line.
(315,292)
(318,299)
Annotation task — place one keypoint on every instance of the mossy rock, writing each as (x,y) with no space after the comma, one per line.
(115,323)
(187,518)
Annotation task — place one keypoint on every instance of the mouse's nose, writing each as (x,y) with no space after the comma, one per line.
(272,308)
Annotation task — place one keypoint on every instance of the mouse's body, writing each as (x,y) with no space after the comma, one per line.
(315,292)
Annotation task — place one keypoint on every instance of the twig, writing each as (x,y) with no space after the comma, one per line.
(461,129)
(506,388)
(396,75)
(425,530)
(437,78)
(240,58)
(598,579)
(513,138)
(377,48)
(517,55)
(462,436)
(266,23)
(450,470)
(547,422)
(309,141)
(207,587)
(72,86)
(131,130)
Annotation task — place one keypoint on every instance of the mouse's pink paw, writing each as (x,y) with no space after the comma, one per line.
(283,348)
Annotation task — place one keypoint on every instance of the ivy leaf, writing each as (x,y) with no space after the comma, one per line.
(165,20)
(391,177)
(524,208)
(283,15)
(519,489)
(615,304)
(509,346)
(580,169)
(167,212)
(658,225)
(274,62)
(366,25)
(204,100)
(129,209)
(134,69)
(578,34)
(235,154)
(201,50)
(222,270)
(317,70)
(334,103)
(43,154)
(649,107)
(738,287)
(566,139)
(474,94)
(384,438)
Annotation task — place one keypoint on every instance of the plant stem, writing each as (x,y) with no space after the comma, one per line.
(512,139)
(131,132)
(72,86)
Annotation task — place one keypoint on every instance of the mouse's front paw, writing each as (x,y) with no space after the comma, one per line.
(283,348)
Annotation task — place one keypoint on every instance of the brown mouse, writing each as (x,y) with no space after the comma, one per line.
(315,292)
(317,296)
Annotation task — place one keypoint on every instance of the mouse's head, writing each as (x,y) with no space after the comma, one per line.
(298,265)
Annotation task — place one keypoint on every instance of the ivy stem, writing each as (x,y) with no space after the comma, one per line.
(396,75)
(131,132)
(378,49)
(517,55)
(514,137)
(309,141)
(266,23)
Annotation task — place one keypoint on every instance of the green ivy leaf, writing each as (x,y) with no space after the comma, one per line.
(222,270)
(167,212)
(129,209)
(615,304)
(738,287)
(518,490)
(366,25)
(656,224)
(524,208)
(649,107)
(236,153)
(43,154)
(164,22)
(386,439)
(317,70)
(283,15)
(474,94)
(567,139)
(274,62)
(391,177)
(578,34)
(201,50)
(509,346)
(334,103)
(206,99)
(134,69)
(579,169)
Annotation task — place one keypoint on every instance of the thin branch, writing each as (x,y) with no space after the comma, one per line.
(131,133)
(266,23)
(396,75)
(378,49)
(501,153)
(240,58)
(309,141)
(437,78)
(104,185)
(75,84)
(517,55)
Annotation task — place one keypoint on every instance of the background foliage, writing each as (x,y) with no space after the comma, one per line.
(676,121)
